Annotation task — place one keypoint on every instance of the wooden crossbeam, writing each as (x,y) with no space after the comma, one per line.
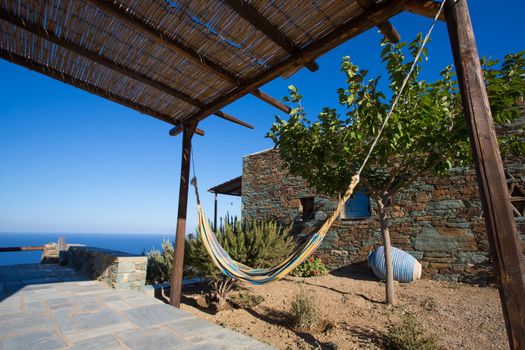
(251,15)
(386,27)
(133,21)
(138,24)
(180,128)
(51,36)
(271,100)
(344,32)
(426,8)
(231,118)
(68,79)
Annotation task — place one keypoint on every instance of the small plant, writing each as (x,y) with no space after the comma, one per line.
(255,243)
(245,300)
(312,267)
(160,263)
(305,312)
(410,335)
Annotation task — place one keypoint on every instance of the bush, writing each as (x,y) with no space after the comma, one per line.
(160,263)
(245,300)
(311,267)
(305,312)
(409,335)
(256,243)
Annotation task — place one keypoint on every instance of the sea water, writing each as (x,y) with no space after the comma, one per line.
(130,243)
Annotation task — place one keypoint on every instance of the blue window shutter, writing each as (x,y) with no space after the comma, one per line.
(358,206)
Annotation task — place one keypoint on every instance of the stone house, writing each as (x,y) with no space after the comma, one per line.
(438,219)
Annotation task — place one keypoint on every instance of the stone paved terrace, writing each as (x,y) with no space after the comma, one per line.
(51,307)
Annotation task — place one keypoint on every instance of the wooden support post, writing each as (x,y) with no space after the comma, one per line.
(178,255)
(501,228)
(215,213)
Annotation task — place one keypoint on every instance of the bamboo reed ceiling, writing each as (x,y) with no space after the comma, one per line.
(178,60)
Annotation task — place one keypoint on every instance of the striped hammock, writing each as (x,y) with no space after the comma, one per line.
(241,272)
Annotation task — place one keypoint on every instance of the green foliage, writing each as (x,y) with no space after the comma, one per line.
(160,263)
(311,267)
(304,310)
(409,335)
(426,132)
(256,243)
(246,300)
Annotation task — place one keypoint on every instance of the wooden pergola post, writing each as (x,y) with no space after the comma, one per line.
(178,254)
(501,228)
(215,212)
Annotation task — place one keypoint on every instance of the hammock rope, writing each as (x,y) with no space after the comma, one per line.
(239,271)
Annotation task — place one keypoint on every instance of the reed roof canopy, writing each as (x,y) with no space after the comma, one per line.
(181,60)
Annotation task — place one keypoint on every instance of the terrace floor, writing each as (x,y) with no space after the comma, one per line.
(53,307)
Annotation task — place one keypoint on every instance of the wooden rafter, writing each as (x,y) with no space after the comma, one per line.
(386,27)
(180,128)
(271,100)
(344,32)
(426,8)
(251,15)
(51,36)
(68,79)
(136,23)
(232,119)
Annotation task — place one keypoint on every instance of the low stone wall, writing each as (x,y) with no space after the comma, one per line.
(438,220)
(118,270)
(50,254)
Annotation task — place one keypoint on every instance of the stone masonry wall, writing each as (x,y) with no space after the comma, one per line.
(119,270)
(438,219)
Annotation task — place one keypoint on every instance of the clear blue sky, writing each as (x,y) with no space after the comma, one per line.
(74,162)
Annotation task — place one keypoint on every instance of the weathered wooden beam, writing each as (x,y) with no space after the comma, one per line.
(51,36)
(344,32)
(231,118)
(180,128)
(271,100)
(68,79)
(180,238)
(385,27)
(426,8)
(251,15)
(502,234)
(133,21)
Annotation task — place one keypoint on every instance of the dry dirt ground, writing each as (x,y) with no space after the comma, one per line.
(355,317)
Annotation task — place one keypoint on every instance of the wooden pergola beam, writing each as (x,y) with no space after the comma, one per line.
(70,80)
(180,128)
(502,233)
(344,32)
(138,24)
(232,119)
(252,16)
(95,57)
(425,8)
(133,21)
(385,27)
(271,100)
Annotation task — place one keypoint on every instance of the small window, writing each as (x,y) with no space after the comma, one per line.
(357,206)
(307,208)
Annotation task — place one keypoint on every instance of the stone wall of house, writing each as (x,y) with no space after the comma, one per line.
(438,219)
(118,270)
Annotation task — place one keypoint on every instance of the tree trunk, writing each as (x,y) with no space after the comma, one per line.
(383,222)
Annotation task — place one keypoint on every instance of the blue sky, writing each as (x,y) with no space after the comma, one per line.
(74,162)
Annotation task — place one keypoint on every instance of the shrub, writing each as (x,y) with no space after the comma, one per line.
(305,312)
(311,267)
(245,300)
(410,335)
(255,243)
(160,263)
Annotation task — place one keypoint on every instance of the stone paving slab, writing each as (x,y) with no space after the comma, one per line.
(51,307)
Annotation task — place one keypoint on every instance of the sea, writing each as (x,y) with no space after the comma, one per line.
(133,243)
